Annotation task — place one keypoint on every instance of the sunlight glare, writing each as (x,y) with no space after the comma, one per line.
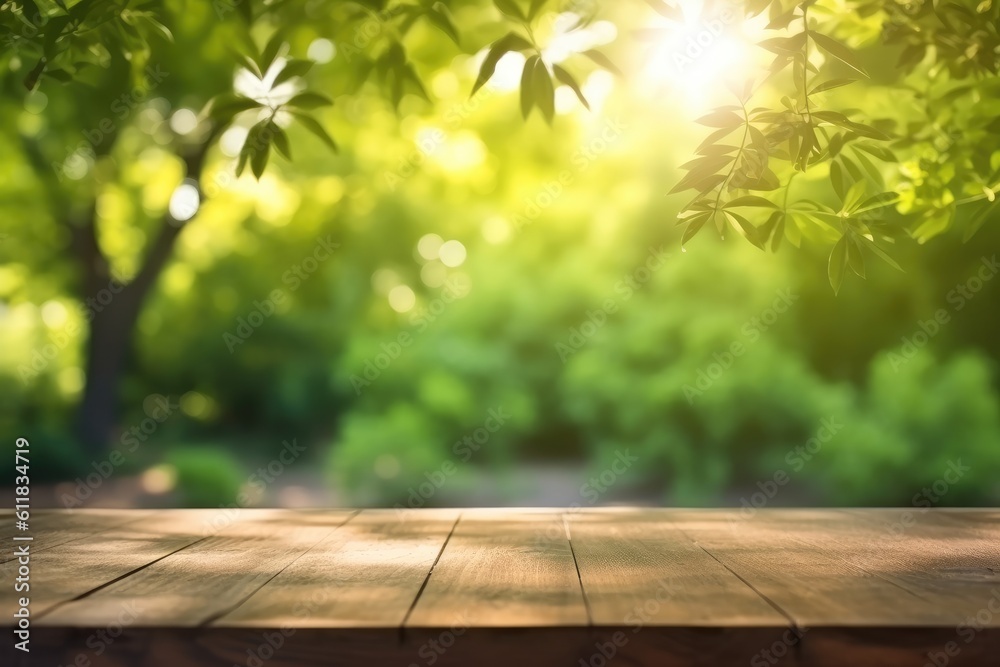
(697,58)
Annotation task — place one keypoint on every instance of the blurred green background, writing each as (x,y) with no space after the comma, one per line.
(463,308)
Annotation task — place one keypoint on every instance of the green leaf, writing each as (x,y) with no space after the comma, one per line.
(225,106)
(701,183)
(702,172)
(443,23)
(252,145)
(258,160)
(694,228)
(535,7)
(831,84)
(309,100)
(881,152)
(270,52)
(313,126)
(161,29)
(838,51)
(567,79)
(784,45)
(720,119)
(280,140)
(509,42)
(603,61)
(292,68)
(854,195)
(854,257)
(867,131)
(511,9)
(779,230)
(749,231)
(750,200)
(528,86)
(871,245)
(872,170)
(837,179)
(250,65)
(878,201)
(837,265)
(545,97)
(715,136)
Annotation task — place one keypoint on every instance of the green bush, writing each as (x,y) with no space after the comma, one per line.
(207,476)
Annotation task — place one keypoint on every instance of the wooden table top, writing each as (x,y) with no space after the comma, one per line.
(480,587)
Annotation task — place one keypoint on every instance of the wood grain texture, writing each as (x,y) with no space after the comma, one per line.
(611,587)
(50,528)
(72,568)
(638,569)
(366,574)
(776,553)
(504,568)
(212,575)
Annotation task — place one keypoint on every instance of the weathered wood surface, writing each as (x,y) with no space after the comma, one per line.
(615,586)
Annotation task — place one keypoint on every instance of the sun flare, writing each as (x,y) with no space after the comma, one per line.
(696,58)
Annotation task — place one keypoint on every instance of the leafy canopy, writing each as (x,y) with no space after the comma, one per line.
(913,171)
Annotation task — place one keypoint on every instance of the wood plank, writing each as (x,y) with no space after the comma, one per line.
(847,607)
(51,528)
(504,568)
(949,559)
(662,599)
(813,586)
(637,567)
(209,578)
(67,570)
(367,574)
(665,588)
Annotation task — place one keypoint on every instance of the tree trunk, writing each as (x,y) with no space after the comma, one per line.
(114,319)
(106,351)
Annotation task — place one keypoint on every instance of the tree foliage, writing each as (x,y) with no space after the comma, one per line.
(941,163)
